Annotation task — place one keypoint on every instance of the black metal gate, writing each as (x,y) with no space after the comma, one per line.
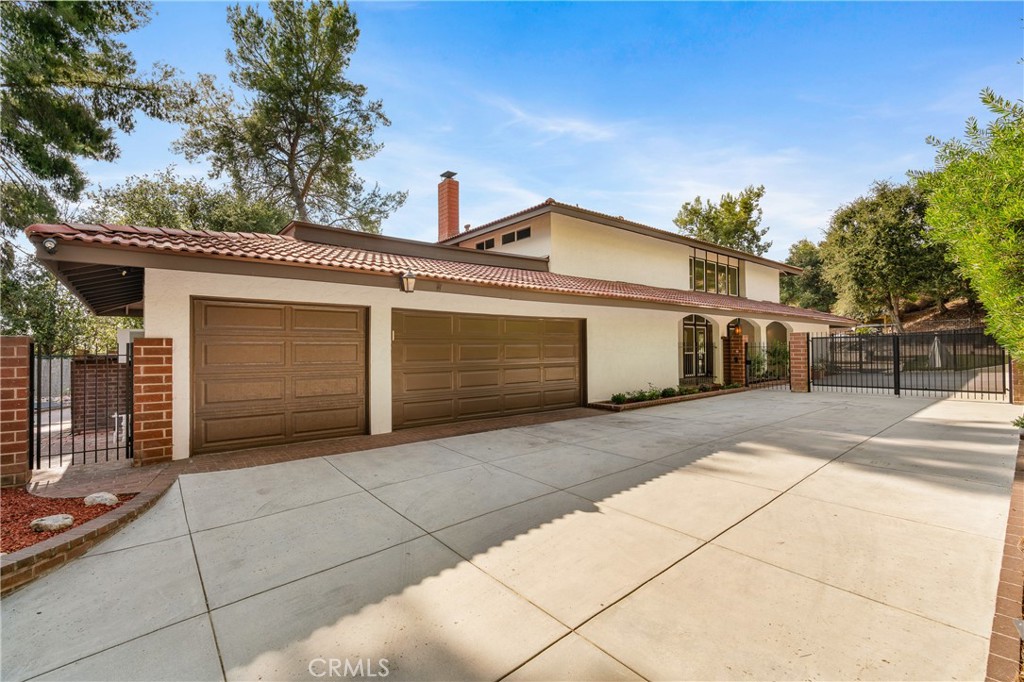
(767,365)
(80,408)
(963,364)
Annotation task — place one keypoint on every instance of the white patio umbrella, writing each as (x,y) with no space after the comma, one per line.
(939,356)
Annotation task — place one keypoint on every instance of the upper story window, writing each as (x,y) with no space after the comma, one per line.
(515,235)
(485,244)
(714,273)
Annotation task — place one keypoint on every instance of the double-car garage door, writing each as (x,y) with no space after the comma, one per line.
(274,373)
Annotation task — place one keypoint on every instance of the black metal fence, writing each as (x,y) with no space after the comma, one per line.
(80,409)
(963,364)
(768,365)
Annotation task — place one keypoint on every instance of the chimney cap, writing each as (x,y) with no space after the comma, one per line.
(448,174)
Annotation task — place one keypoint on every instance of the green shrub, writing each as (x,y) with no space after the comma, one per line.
(669,392)
(1019,422)
(687,390)
(619,398)
(728,386)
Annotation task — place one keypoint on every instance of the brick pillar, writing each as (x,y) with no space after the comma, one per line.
(735,358)
(1017,381)
(799,363)
(15,365)
(151,426)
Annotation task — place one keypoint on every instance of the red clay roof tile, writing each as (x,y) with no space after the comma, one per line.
(287,249)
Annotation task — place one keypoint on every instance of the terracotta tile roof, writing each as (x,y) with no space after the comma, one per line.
(285,249)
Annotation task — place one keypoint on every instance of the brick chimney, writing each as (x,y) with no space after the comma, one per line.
(447,207)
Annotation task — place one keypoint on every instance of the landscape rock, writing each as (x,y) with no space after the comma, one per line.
(109,499)
(55,522)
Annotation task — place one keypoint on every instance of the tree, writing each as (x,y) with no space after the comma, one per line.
(66,85)
(976,209)
(293,139)
(166,200)
(810,289)
(877,254)
(732,222)
(33,302)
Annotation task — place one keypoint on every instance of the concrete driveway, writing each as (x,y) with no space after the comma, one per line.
(760,535)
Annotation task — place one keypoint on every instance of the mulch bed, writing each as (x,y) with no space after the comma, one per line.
(18,508)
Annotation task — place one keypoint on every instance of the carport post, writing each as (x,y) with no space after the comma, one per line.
(152,412)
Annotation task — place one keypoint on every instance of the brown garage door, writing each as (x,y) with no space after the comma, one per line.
(271,373)
(450,367)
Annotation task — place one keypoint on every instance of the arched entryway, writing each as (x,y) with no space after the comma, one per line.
(696,350)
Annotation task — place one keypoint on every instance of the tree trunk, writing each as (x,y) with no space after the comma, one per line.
(894,311)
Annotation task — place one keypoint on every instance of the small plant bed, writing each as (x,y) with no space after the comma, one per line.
(18,508)
(663,396)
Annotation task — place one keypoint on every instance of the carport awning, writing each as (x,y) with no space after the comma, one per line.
(104,289)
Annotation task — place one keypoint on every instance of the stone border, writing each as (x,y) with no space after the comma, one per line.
(1006,652)
(25,565)
(612,407)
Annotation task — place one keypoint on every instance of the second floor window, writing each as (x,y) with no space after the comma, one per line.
(714,273)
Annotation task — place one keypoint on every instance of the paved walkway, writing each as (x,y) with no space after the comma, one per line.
(761,535)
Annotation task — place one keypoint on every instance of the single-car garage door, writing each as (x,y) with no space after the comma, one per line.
(449,367)
(272,373)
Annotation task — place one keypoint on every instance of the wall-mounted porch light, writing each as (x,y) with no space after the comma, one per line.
(408,281)
(50,244)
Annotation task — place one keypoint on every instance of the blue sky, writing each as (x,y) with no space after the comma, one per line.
(633,108)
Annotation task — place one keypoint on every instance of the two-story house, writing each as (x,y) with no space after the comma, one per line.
(321,332)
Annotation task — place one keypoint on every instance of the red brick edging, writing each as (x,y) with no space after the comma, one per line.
(25,565)
(1005,650)
(612,407)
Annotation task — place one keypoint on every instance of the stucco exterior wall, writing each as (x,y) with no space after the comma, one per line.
(760,282)
(538,243)
(586,249)
(625,347)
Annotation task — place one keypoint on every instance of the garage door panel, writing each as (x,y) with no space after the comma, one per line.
(481,378)
(560,351)
(326,320)
(230,392)
(523,375)
(431,411)
(553,374)
(225,353)
(301,375)
(498,365)
(429,326)
(318,421)
(479,406)
(418,382)
(487,327)
(305,353)
(523,327)
(239,430)
(524,402)
(427,353)
(567,397)
(474,352)
(235,318)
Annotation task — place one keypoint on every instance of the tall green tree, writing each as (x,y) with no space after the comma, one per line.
(166,199)
(34,303)
(67,84)
(734,221)
(292,140)
(976,210)
(809,289)
(877,254)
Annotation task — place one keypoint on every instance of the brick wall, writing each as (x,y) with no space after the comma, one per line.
(153,389)
(99,390)
(1017,381)
(735,358)
(15,361)
(799,363)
